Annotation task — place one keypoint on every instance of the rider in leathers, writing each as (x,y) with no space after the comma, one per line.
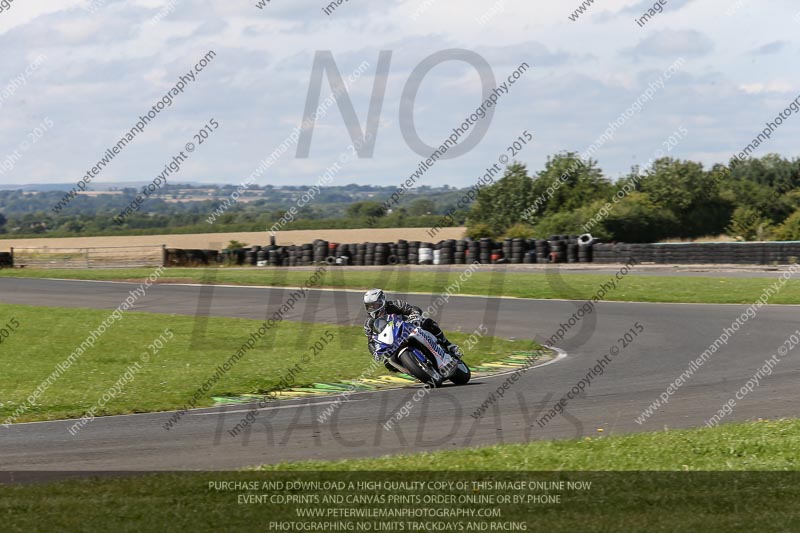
(377,306)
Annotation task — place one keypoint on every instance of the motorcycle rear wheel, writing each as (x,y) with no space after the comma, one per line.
(462,374)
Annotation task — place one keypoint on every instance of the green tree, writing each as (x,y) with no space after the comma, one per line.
(423,206)
(501,204)
(568,183)
(690,193)
(368,209)
(636,218)
(766,185)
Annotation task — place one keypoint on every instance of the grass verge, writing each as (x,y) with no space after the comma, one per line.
(521,285)
(728,495)
(46,336)
(762,445)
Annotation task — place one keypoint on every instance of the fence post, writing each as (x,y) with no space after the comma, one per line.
(12,257)
(163,255)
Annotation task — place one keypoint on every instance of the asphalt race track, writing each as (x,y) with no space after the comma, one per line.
(674,334)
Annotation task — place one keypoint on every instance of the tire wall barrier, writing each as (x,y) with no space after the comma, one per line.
(555,249)
(721,253)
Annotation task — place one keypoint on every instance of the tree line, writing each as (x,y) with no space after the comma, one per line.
(757,199)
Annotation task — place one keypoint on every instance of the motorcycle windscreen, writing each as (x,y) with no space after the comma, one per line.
(387,335)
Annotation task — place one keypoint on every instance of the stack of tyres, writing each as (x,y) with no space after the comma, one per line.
(497,257)
(742,254)
(320,251)
(572,250)
(361,250)
(485,251)
(724,253)
(518,249)
(342,254)
(413,253)
(211,256)
(447,252)
(196,257)
(624,252)
(307,254)
(585,252)
(381,254)
(460,253)
(473,252)
(761,252)
(542,251)
(601,253)
(239,256)
(642,253)
(705,253)
(678,253)
(789,255)
(558,249)
(506,247)
(330,255)
(530,251)
(402,252)
(425,254)
(369,254)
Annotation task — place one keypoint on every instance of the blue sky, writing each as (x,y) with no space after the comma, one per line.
(107,62)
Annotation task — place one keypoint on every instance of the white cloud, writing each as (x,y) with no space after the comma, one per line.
(105,68)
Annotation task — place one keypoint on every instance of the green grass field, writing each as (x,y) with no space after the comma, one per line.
(725,495)
(762,445)
(521,285)
(46,336)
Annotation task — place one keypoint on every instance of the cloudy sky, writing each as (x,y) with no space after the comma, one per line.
(101,64)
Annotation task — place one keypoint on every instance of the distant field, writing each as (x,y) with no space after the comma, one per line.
(217,241)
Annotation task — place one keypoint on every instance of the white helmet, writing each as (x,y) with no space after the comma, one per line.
(374,302)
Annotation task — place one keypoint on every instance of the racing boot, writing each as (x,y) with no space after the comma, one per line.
(451,348)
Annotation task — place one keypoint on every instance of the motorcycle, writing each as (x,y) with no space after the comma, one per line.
(416,352)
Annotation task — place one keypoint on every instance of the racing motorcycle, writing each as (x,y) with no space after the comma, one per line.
(416,352)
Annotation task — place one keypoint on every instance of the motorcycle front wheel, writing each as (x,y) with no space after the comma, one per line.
(418,369)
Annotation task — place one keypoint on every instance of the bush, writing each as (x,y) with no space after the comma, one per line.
(790,229)
(479,231)
(234,245)
(567,222)
(519,231)
(637,219)
(749,224)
